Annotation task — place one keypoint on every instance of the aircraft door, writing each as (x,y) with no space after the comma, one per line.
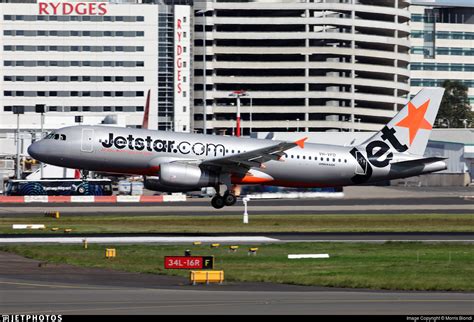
(361,166)
(87,143)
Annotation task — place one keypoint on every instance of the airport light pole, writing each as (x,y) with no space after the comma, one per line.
(251,107)
(238,95)
(41,108)
(18,110)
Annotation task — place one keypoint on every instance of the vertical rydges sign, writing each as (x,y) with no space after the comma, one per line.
(182,67)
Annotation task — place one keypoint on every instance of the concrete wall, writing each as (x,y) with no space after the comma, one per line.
(435,180)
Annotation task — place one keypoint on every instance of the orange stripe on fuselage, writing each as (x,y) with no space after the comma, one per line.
(280,183)
(249,179)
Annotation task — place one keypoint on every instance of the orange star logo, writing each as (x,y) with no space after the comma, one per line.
(415,119)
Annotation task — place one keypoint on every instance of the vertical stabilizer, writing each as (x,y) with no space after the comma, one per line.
(410,129)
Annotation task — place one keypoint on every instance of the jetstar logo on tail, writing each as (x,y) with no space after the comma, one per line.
(377,154)
(415,120)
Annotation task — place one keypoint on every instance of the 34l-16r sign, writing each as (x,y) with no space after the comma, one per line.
(189,262)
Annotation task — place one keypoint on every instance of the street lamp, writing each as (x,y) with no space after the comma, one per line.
(41,108)
(18,110)
(204,69)
(447,122)
(464,121)
(297,125)
(238,95)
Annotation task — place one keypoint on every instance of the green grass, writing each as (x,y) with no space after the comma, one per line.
(395,266)
(258,223)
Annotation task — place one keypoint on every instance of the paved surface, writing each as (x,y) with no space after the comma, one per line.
(27,288)
(230,238)
(357,200)
(442,205)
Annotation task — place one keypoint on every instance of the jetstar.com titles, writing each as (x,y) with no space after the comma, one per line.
(159,145)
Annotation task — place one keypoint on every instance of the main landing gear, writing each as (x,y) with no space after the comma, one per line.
(228,199)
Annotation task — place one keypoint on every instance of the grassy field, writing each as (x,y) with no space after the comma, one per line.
(396,266)
(258,223)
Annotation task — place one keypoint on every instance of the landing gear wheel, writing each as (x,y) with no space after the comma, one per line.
(218,202)
(229,199)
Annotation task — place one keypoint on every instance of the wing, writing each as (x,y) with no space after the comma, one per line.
(241,163)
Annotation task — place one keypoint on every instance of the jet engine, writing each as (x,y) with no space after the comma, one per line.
(186,175)
(153,183)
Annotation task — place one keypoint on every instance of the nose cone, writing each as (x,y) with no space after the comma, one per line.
(35,151)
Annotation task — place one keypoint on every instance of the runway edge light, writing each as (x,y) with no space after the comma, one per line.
(252,251)
(110,253)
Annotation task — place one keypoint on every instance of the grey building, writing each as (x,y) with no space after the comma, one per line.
(442,40)
(458,146)
(316,65)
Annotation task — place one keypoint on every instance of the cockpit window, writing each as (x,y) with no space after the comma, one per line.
(56,136)
(49,136)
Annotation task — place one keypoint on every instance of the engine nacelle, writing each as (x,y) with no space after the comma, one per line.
(186,175)
(153,183)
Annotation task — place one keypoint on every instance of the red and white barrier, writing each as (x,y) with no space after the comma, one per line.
(101,199)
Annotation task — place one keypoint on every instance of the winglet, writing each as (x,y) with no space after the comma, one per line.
(300,142)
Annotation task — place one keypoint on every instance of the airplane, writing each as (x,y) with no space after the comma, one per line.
(181,162)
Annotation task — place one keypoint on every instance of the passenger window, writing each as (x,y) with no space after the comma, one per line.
(63,137)
(56,136)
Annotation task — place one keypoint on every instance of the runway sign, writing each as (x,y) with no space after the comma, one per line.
(189,262)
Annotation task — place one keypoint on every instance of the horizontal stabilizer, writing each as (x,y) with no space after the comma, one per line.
(419,161)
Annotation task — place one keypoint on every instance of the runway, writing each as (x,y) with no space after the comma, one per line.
(63,289)
(201,207)
(232,238)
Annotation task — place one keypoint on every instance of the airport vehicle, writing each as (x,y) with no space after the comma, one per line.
(59,187)
(180,162)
